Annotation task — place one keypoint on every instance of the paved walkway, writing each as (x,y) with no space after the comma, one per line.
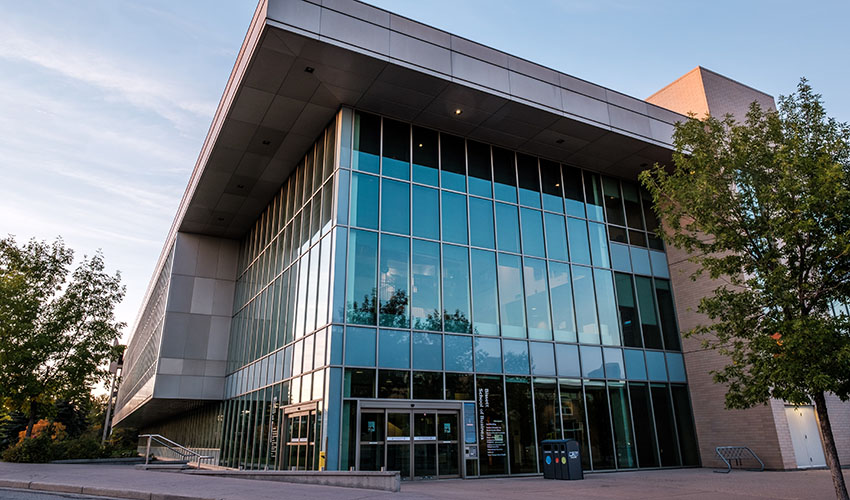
(690,484)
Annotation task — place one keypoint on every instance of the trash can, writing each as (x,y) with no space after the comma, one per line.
(571,460)
(561,459)
(551,450)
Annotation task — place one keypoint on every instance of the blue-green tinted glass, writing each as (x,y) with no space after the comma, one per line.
(426,212)
(529,181)
(511,297)
(563,319)
(613,363)
(425,156)
(606,304)
(659,264)
(635,364)
(591,362)
(361,300)
(675,367)
(456,289)
(360,346)
(640,261)
(485,304)
(396,154)
(507,228)
(599,245)
(655,365)
(459,353)
(488,355)
(481,223)
(532,233)
(550,177)
(480,178)
(425,297)
(579,246)
(364,201)
(648,318)
(427,351)
(335,344)
(504,175)
(593,197)
(395,206)
(537,299)
(452,163)
(573,191)
(620,257)
(585,301)
(668,315)
(454,217)
(394,284)
(367,142)
(516,356)
(556,237)
(567,356)
(542,358)
(394,349)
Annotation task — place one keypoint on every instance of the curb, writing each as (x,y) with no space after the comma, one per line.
(94,490)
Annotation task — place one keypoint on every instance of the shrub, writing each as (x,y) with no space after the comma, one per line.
(53,430)
(34,450)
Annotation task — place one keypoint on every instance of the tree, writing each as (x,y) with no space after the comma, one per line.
(764,205)
(57,326)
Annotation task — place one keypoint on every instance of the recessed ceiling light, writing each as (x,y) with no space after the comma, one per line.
(240,186)
(220,219)
(558,185)
(458,111)
(559,141)
(420,145)
(266,142)
(309,69)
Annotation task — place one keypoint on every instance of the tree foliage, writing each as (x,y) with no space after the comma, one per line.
(57,325)
(763,206)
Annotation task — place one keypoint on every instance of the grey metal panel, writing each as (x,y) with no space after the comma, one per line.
(481,73)
(302,15)
(251,105)
(420,53)
(535,90)
(582,105)
(355,31)
(420,31)
(629,120)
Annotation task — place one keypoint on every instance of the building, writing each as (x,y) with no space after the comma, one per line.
(399,248)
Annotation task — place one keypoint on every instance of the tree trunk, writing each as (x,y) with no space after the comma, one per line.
(30,422)
(830,450)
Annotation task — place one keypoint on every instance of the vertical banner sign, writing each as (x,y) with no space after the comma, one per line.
(469,423)
(491,426)
(273,431)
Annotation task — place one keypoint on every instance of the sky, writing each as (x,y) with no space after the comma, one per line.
(104,104)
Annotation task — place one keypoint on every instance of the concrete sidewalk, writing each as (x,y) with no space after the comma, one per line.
(691,484)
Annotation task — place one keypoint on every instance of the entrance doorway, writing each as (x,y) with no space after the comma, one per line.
(420,443)
(805,436)
(299,436)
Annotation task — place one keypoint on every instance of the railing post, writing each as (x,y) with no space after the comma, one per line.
(148,450)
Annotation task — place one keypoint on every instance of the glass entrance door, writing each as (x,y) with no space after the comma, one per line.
(300,439)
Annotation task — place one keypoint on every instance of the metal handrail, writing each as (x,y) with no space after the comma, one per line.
(177,448)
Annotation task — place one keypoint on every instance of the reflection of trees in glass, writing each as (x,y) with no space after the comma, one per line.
(394,310)
(457,322)
(431,322)
(363,312)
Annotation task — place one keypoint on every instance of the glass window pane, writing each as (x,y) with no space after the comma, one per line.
(516,356)
(537,299)
(675,367)
(454,217)
(523,448)
(532,232)
(395,206)
(485,302)
(459,353)
(685,425)
(647,446)
(425,296)
(488,355)
(550,175)
(593,195)
(492,436)
(396,155)
(648,318)
(635,364)
(613,363)
(425,156)
(546,411)
(620,257)
(426,213)
(556,237)
(579,246)
(613,201)
(573,191)
(572,417)
(452,163)
(659,264)
(504,175)
(507,228)
(543,358)
(367,142)
(601,442)
(460,386)
(427,351)
(622,419)
(591,362)
(360,346)
(529,181)
(598,245)
(394,349)
(628,310)
(361,300)
(609,323)
(563,317)
(655,366)
(664,422)
(632,200)
(668,315)
(364,201)
(637,238)
(394,384)
(481,233)
(511,296)
(394,281)
(456,289)
(427,385)
(617,234)
(359,383)
(585,302)
(480,178)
